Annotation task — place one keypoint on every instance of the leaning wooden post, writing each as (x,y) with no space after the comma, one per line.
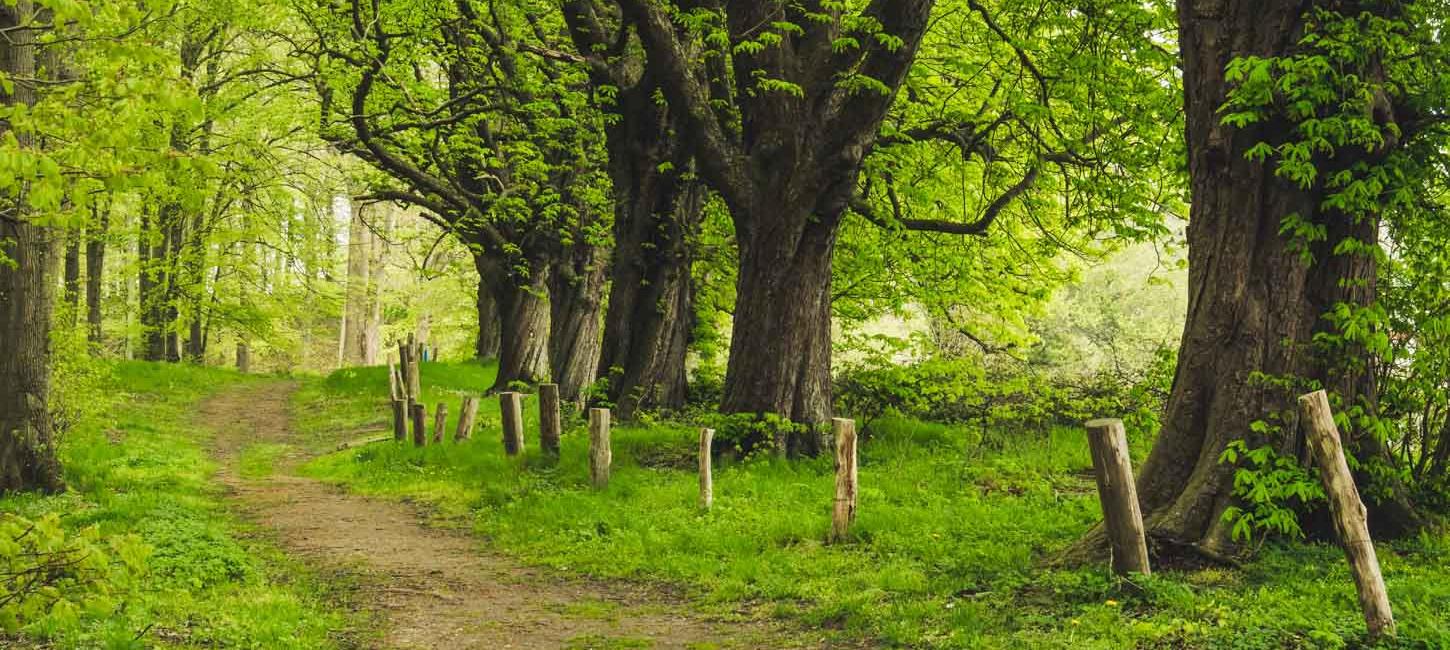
(440,420)
(400,420)
(415,381)
(1123,517)
(549,419)
(600,455)
(392,381)
(420,425)
(512,408)
(466,419)
(707,482)
(1347,510)
(844,510)
(405,367)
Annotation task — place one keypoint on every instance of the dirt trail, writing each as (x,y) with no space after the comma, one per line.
(438,589)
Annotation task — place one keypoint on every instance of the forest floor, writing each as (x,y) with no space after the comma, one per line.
(430,587)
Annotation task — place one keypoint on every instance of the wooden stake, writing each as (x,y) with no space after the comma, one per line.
(844,511)
(512,409)
(420,425)
(392,381)
(400,420)
(1108,442)
(549,419)
(415,381)
(600,455)
(1347,511)
(440,420)
(405,364)
(707,482)
(466,419)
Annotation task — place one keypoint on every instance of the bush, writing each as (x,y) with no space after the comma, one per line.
(50,578)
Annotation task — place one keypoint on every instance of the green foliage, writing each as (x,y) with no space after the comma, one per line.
(1273,490)
(50,577)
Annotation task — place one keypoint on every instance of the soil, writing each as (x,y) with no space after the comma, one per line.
(420,586)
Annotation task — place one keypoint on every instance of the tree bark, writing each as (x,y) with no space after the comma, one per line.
(95,275)
(357,310)
(27,296)
(488,345)
(576,292)
(651,300)
(1255,303)
(73,277)
(523,309)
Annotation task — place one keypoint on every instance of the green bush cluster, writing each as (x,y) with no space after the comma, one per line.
(50,577)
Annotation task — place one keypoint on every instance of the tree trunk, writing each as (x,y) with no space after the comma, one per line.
(1255,303)
(523,309)
(73,277)
(780,350)
(27,296)
(576,292)
(357,309)
(488,345)
(149,294)
(651,302)
(95,274)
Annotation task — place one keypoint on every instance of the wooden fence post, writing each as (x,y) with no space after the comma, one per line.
(392,381)
(400,420)
(512,409)
(707,481)
(844,510)
(404,365)
(549,419)
(1113,469)
(420,425)
(415,381)
(466,419)
(600,455)
(440,420)
(1347,511)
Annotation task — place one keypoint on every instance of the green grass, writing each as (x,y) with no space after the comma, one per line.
(137,465)
(948,550)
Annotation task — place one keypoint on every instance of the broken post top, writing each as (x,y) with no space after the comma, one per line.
(1104,423)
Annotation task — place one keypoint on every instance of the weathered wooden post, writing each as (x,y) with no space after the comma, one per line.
(392,380)
(405,364)
(844,511)
(466,419)
(550,425)
(420,425)
(707,482)
(1108,442)
(400,420)
(512,408)
(440,420)
(415,381)
(1347,511)
(600,455)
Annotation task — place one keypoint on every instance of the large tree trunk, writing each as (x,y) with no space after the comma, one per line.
(31,256)
(73,277)
(651,302)
(1255,302)
(523,312)
(150,261)
(95,273)
(576,297)
(780,348)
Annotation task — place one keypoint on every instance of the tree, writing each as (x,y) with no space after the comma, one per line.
(29,259)
(1299,121)
(781,115)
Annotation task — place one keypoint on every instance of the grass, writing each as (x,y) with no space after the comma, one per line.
(137,465)
(948,550)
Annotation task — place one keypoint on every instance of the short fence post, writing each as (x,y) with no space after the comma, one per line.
(844,510)
(466,419)
(1347,510)
(440,420)
(512,409)
(707,481)
(1108,442)
(420,425)
(600,455)
(415,380)
(400,420)
(392,381)
(549,419)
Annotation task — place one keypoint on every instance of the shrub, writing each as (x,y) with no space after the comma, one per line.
(49,577)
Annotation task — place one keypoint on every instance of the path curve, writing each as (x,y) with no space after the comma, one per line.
(439,589)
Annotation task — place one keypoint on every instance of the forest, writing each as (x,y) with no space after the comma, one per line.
(605,324)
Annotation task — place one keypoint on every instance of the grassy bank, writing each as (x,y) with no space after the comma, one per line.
(179,569)
(948,551)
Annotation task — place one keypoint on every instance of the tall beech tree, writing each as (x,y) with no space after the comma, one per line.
(1299,121)
(781,115)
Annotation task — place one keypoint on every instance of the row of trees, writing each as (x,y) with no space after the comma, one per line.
(620,171)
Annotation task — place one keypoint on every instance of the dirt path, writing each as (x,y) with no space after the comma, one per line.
(438,589)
